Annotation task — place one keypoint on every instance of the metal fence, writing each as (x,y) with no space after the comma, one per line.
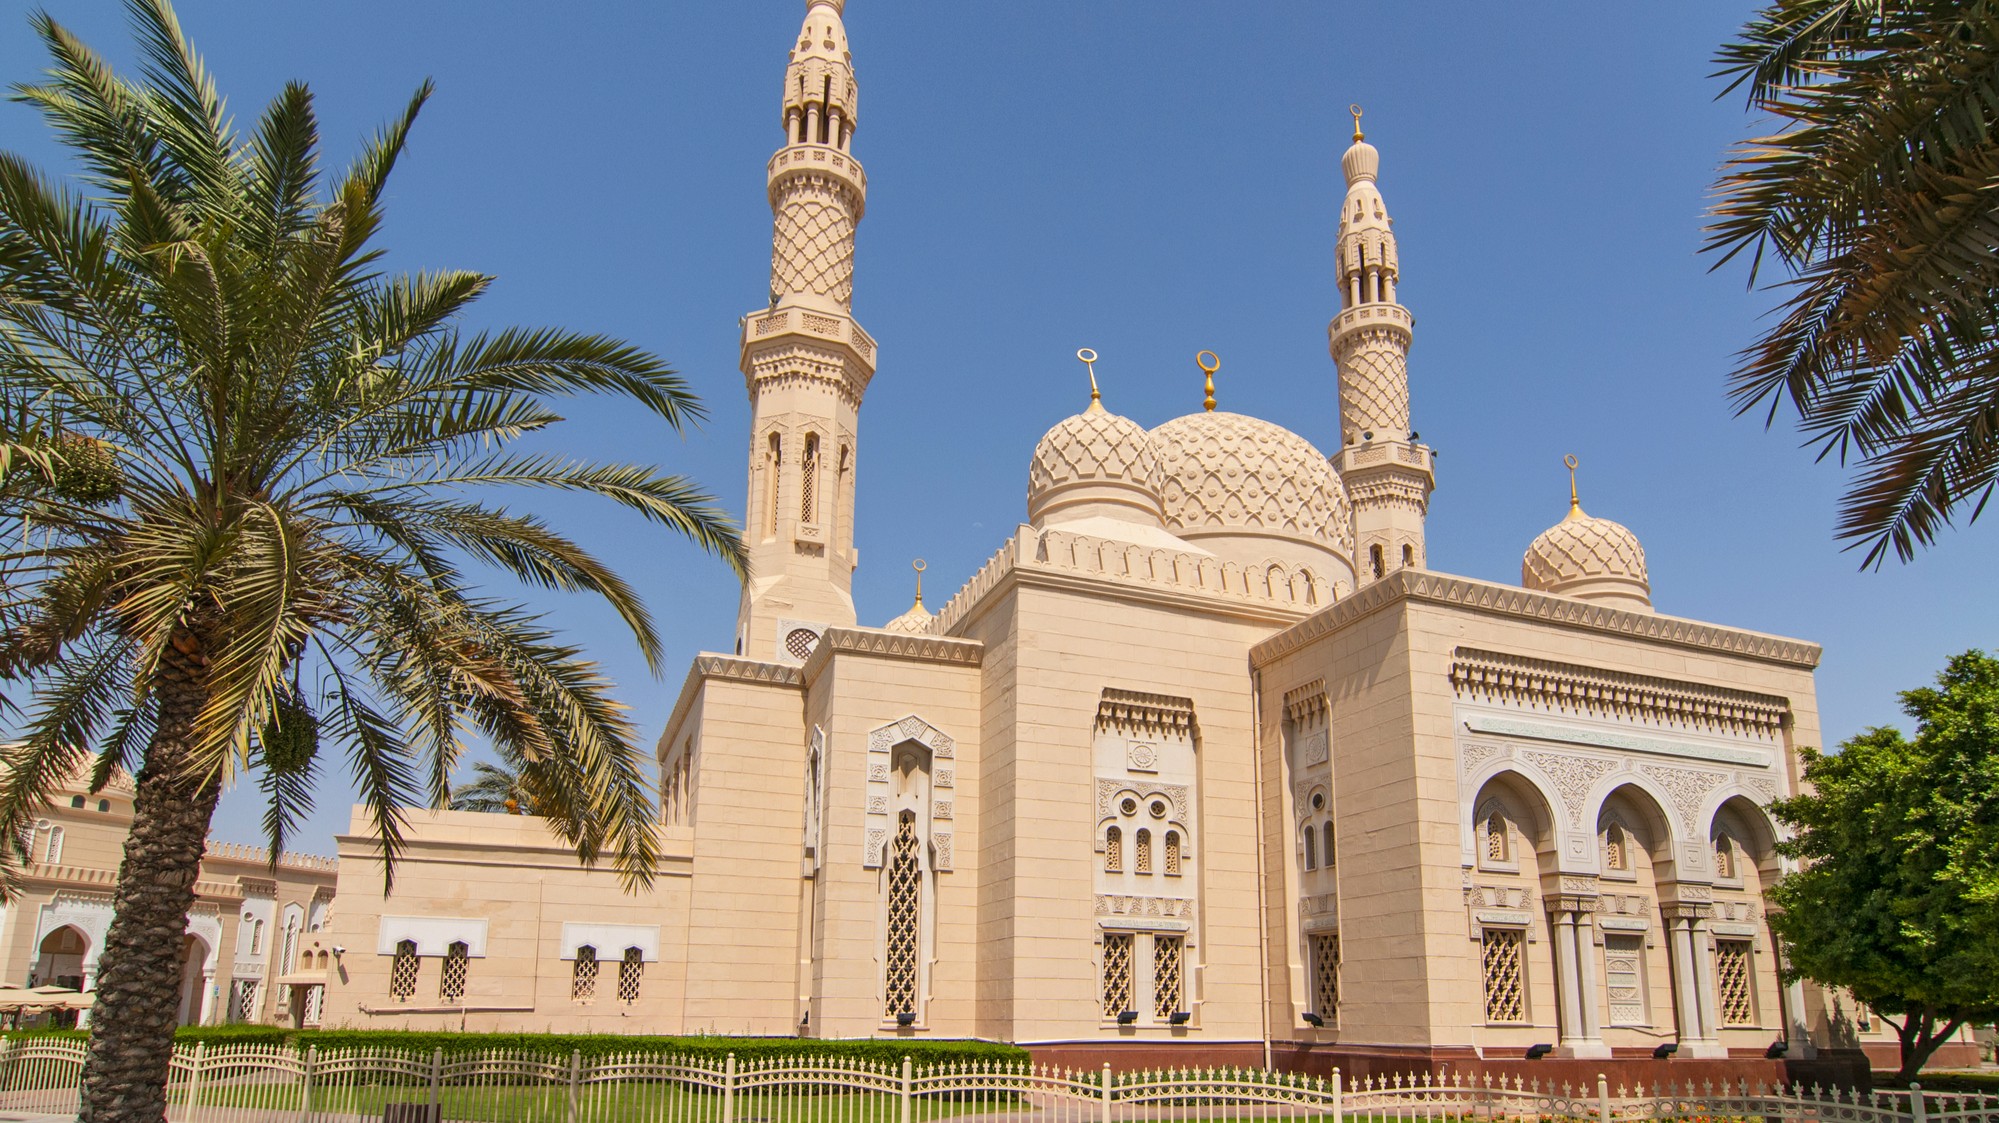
(282,1084)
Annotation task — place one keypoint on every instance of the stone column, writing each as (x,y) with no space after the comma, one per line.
(1697,930)
(1693,972)
(1566,983)
(1686,1008)
(207,1011)
(1582,1035)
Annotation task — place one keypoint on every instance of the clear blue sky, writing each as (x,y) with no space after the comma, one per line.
(1148,180)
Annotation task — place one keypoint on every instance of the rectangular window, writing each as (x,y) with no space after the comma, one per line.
(1505,979)
(1168,989)
(1735,982)
(1117,988)
(1624,977)
(1326,977)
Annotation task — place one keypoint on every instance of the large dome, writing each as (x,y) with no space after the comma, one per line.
(1589,558)
(1095,462)
(1225,475)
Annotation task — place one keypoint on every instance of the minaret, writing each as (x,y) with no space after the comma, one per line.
(1388,475)
(806,361)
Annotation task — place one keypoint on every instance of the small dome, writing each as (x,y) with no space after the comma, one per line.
(1591,559)
(916,621)
(1225,474)
(1094,463)
(1361,161)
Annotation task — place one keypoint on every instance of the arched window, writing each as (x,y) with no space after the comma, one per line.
(104,805)
(451,980)
(76,801)
(1616,849)
(630,973)
(905,913)
(1374,559)
(1326,844)
(1311,849)
(1144,862)
(54,853)
(1114,851)
(257,938)
(402,971)
(773,462)
(1173,853)
(808,489)
(583,976)
(288,954)
(1498,846)
(1408,555)
(1724,858)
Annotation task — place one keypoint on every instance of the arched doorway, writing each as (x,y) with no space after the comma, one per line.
(59,959)
(193,980)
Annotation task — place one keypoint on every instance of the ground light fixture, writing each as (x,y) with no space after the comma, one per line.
(1777,1049)
(1314,1020)
(1665,1051)
(906,1018)
(1129,1017)
(1180,1018)
(1536,1052)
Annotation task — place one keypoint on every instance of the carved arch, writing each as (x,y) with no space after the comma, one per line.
(943,751)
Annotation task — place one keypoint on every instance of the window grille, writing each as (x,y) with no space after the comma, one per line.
(630,974)
(257,938)
(1168,989)
(808,492)
(402,971)
(1144,862)
(315,1005)
(1495,838)
(1732,978)
(1326,844)
(773,461)
(800,642)
(905,903)
(1614,848)
(1326,977)
(1114,851)
(55,845)
(1724,858)
(246,1000)
(1505,987)
(1173,853)
(288,955)
(1624,977)
(583,976)
(451,980)
(1117,974)
(1311,849)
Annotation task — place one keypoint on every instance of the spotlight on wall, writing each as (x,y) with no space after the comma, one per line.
(1777,1049)
(1180,1018)
(1129,1017)
(1367,435)
(1313,1020)
(1536,1052)
(906,1018)
(338,951)
(1665,1051)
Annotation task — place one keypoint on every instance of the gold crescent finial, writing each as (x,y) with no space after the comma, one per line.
(1089,358)
(1209,364)
(1575,503)
(1357,134)
(919,567)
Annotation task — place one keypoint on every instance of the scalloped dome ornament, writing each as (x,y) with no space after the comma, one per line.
(1094,462)
(918,620)
(1588,558)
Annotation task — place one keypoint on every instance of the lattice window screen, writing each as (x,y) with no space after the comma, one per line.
(1505,984)
(630,974)
(1614,855)
(1326,977)
(1114,851)
(1733,979)
(1327,853)
(808,492)
(1117,974)
(905,915)
(1173,853)
(1724,858)
(1624,976)
(1168,987)
(1495,839)
(55,846)
(402,972)
(315,1005)
(800,642)
(246,1000)
(451,980)
(1144,862)
(583,976)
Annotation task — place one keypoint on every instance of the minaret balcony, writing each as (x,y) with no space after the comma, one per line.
(1380,315)
(805,159)
(1387,456)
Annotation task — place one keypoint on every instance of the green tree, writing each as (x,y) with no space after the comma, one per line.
(300,454)
(1897,899)
(1877,198)
(495,789)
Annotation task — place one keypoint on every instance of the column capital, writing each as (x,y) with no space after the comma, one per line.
(1683,909)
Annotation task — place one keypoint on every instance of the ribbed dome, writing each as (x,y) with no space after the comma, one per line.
(1591,559)
(1225,471)
(915,622)
(1361,161)
(1094,462)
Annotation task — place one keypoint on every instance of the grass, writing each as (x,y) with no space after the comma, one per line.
(543,1103)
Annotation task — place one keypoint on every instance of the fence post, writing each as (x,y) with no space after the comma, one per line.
(194,1079)
(575,1081)
(305,1088)
(1602,1098)
(1916,1106)
(1339,1108)
(436,1083)
(729,1089)
(905,1089)
(1107,1092)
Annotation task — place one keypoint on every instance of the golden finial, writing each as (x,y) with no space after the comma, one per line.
(919,567)
(1209,364)
(1575,503)
(1089,358)
(1358,136)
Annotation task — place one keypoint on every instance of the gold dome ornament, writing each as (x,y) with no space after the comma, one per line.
(1588,558)
(918,620)
(1209,363)
(1089,358)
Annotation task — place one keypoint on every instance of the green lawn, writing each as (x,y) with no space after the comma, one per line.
(622,1103)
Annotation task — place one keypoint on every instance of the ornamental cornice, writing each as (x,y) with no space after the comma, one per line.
(1306,703)
(1511,601)
(915,647)
(709,667)
(1131,711)
(1543,684)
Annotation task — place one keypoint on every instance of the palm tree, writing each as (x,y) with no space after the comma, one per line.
(1877,197)
(291,455)
(494,789)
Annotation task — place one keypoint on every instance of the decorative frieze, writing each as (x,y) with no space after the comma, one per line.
(1573,776)
(1616,695)
(1306,703)
(943,777)
(1159,715)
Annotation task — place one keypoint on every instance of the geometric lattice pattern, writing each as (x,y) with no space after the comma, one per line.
(1144,863)
(1724,858)
(1117,974)
(1615,856)
(583,976)
(1113,851)
(1582,546)
(812,247)
(1326,977)
(1173,853)
(1505,982)
(1227,470)
(1495,839)
(808,491)
(1732,979)
(631,973)
(1168,991)
(451,980)
(1374,385)
(1624,976)
(1095,446)
(246,1000)
(905,904)
(800,642)
(402,971)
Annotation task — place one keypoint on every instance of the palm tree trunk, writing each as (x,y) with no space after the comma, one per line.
(138,976)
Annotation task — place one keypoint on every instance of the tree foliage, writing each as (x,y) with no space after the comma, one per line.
(1897,899)
(1876,198)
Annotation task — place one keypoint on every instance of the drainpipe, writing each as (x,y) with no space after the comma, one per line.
(1262,908)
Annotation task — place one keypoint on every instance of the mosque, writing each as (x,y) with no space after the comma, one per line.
(1204,765)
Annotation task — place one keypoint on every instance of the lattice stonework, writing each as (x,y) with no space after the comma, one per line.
(1144,864)
(1169,990)
(1173,853)
(1624,977)
(813,244)
(1326,977)
(402,972)
(808,492)
(583,976)
(1495,839)
(1114,851)
(1117,974)
(246,1000)
(451,980)
(800,642)
(631,973)
(905,913)
(1733,979)
(1505,983)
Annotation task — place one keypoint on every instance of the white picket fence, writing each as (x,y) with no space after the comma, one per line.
(281,1084)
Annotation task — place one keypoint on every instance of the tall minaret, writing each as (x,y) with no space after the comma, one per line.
(1389,477)
(806,361)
